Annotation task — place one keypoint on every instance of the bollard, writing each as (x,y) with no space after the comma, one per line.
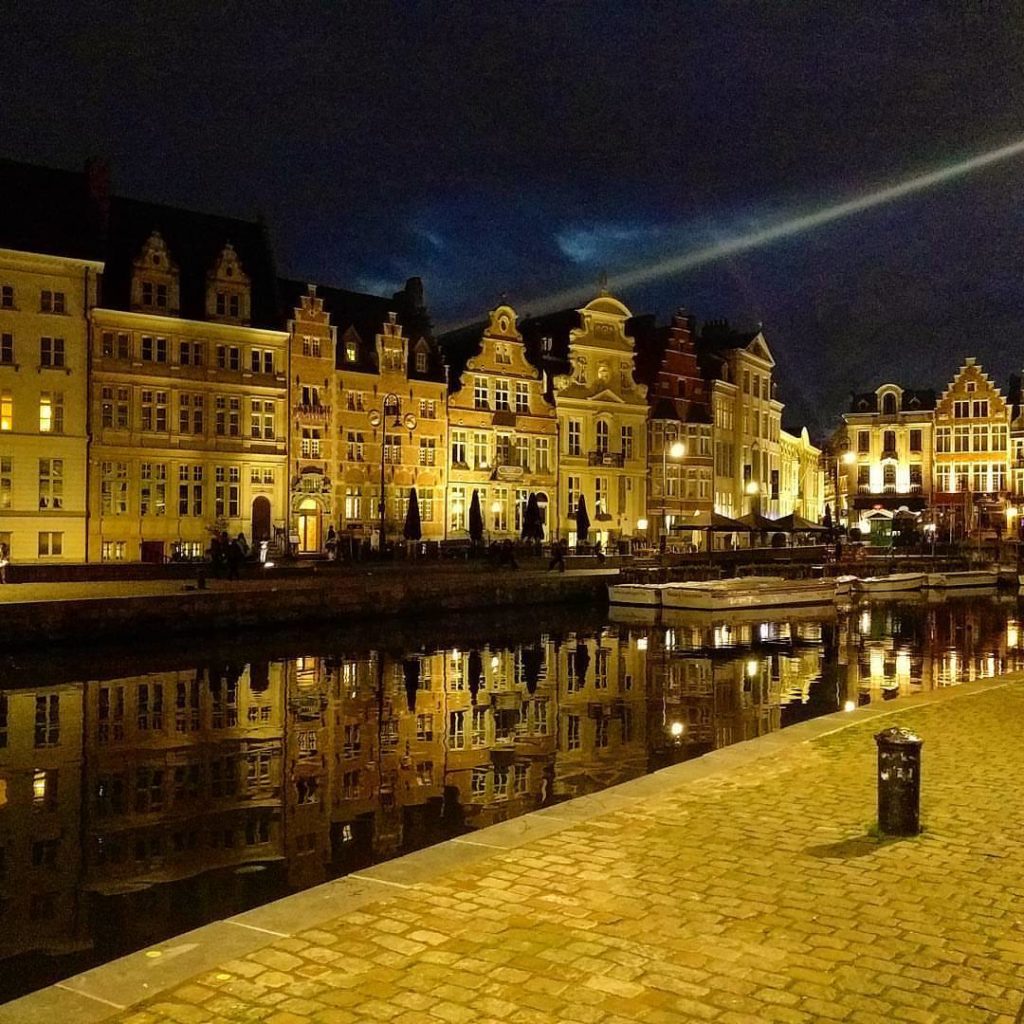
(899,782)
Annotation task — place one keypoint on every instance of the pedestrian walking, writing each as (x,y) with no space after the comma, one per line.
(5,560)
(331,543)
(244,545)
(557,556)
(599,551)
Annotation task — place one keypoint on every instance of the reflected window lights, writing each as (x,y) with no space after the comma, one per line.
(1012,633)
(641,643)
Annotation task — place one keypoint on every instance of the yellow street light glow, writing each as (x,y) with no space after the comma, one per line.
(641,524)
(752,487)
(850,705)
(677,451)
(676,728)
(849,458)
(752,667)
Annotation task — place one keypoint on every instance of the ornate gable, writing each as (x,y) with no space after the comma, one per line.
(155,279)
(228,289)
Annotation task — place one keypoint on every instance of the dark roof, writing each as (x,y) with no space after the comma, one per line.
(913,400)
(716,336)
(47,211)
(194,242)
(459,346)
(359,315)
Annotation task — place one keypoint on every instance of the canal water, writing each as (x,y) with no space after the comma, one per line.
(149,790)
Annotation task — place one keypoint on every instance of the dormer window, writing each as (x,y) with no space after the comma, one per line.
(155,278)
(228,288)
(888,404)
(350,352)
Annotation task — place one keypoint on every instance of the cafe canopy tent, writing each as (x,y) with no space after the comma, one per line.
(708,522)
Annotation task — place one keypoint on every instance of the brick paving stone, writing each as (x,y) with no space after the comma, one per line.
(754,896)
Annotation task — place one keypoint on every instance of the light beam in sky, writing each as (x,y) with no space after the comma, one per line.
(786,229)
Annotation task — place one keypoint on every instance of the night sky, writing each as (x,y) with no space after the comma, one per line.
(522,148)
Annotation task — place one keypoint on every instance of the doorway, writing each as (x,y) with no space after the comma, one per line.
(260,519)
(309,527)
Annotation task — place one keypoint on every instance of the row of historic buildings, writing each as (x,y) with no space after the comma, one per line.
(953,458)
(159,382)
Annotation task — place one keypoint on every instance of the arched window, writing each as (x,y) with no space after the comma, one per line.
(889,404)
(602,436)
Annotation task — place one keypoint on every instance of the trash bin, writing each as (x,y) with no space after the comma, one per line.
(899,782)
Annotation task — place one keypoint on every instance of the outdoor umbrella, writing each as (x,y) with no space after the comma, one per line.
(533,527)
(474,670)
(827,519)
(582,521)
(533,662)
(413,530)
(476,519)
(581,662)
(411,671)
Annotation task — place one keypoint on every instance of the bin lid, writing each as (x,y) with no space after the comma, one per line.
(896,735)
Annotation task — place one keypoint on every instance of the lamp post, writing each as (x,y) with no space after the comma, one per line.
(390,403)
(847,459)
(677,450)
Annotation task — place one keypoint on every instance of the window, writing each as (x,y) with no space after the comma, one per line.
(999,436)
(226,492)
(421,361)
(627,442)
(353,503)
(355,449)
(113,488)
(572,732)
(916,477)
(51,483)
(6,349)
(943,439)
(502,355)
(602,435)
(51,302)
(354,401)
(261,419)
(888,442)
(51,544)
(153,489)
(501,393)
(961,410)
(6,480)
(51,352)
(575,437)
(262,360)
(961,439)
(457,508)
(889,478)
(154,350)
(863,441)
(185,473)
(944,478)
(522,397)
(478,782)
(980,409)
(915,440)
(600,495)
(481,450)
(480,393)
(351,352)
(6,411)
(457,730)
(428,409)
(863,478)
(229,357)
(980,438)
(573,495)
(393,449)
(51,412)
(425,728)
(47,726)
(427,451)
(499,510)
(112,550)
(521,453)
(458,447)
(229,412)
(7,296)
(190,353)
(154,411)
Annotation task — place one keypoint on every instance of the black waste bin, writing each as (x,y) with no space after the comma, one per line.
(899,782)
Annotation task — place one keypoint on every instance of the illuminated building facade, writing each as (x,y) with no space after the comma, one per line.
(188,389)
(801,477)
(602,418)
(368,390)
(972,428)
(502,431)
(746,417)
(679,449)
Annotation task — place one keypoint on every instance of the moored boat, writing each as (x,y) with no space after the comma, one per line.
(748,592)
(644,595)
(899,582)
(965,578)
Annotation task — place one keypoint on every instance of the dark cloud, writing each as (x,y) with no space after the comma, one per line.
(522,147)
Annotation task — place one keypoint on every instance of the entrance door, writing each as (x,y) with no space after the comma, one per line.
(260,519)
(309,527)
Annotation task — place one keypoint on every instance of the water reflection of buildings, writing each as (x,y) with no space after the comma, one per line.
(138,807)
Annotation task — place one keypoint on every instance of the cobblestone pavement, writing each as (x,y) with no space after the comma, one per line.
(746,897)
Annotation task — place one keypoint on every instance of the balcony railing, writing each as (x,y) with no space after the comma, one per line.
(313,412)
(603,458)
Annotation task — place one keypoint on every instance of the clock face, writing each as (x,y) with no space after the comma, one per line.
(503,325)
(374,418)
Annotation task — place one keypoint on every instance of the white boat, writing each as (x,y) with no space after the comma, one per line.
(748,592)
(897,583)
(967,578)
(844,584)
(644,595)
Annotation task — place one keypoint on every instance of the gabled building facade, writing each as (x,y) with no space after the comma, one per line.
(502,434)
(602,420)
(887,461)
(188,388)
(746,415)
(972,426)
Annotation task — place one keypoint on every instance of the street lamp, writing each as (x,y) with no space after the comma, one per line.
(390,403)
(676,450)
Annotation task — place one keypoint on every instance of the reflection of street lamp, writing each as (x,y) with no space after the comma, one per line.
(676,450)
(390,403)
(847,459)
